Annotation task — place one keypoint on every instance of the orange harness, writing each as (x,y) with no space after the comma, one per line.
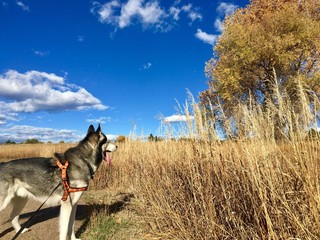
(67,188)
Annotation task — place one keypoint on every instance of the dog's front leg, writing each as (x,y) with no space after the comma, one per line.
(67,216)
(64,219)
(71,223)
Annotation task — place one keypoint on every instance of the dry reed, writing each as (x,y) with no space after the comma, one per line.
(252,187)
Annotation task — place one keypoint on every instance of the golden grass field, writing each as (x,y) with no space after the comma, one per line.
(234,190)
(15,151)
(203,190)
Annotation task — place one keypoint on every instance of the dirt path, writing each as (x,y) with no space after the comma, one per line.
(44,225)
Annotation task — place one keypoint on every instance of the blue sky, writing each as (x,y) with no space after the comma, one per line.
(67,64)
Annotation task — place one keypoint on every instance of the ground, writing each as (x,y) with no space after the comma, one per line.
(45,224)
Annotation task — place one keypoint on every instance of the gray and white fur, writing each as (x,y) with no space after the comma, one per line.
(35,178)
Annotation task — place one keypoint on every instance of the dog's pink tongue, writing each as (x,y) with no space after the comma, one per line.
(108,159)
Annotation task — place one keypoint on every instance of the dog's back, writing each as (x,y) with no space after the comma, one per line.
(36,175)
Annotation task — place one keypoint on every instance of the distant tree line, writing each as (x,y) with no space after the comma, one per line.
(29,141)
(152,138)
(10,142)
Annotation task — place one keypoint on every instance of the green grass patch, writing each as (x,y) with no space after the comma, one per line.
(103,227)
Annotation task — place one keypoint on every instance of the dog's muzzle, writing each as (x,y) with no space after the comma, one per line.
(109,149)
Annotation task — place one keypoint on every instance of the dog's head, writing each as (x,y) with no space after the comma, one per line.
(97,140)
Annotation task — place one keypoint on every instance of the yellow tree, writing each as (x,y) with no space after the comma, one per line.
(269,42)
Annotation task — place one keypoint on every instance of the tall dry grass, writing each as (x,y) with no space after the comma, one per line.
(237,190)
(252,187)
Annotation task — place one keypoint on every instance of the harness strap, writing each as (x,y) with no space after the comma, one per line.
(67,188)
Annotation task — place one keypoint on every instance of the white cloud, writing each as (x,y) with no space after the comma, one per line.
(20,133)
(226,8)
(194,16)
(23,6)
(40,53)
(223,9)
(177,118)
(7,116)
(146,66)
(205,37)
(106,11)
(175,12)
(99,120)
(40,91)
(148,13)
(111,137)
(218,25)
(191,12)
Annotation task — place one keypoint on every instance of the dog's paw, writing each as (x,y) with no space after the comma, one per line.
(75,238)
(25,230)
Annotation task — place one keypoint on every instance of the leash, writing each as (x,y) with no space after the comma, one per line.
(34,214)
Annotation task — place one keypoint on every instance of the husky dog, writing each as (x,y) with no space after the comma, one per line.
(35,178)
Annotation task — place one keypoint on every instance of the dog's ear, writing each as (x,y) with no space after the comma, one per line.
(99,129)
(90,129)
